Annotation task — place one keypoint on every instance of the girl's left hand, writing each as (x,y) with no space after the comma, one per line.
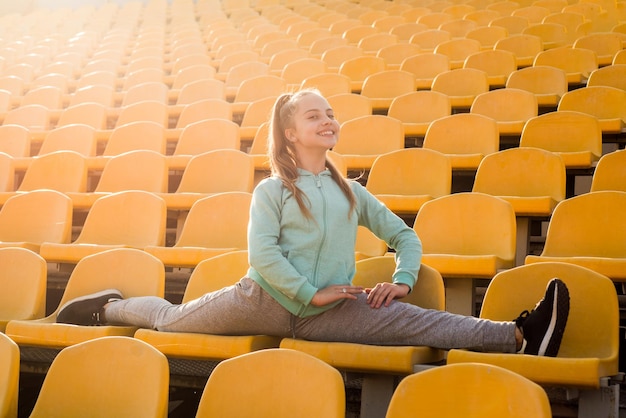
(385,293)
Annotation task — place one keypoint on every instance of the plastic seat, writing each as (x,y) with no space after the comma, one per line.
(547,83)
(144,110)
(258,88)
(209,275)
(510,108)
(105,363)
(204,109)
(88,113)
(611,76)
(434,19)
(335,56)
(241,72)
(94,93)
(7,173)
(294,72)
(458,50)
(355,33)
(605,45)
(32,117)
(525,47)
(47,96)
(218,171)
(589,351)
(191,74)
(360,140)
(578,63)
(347,106)
(204,136)
(488,36)
(607,104)
(498,64)
(215,225)
(583,231)
(131,271)
(97,78)
(280,59)
(461,85)
(425,67)
(256,113)
(383,87)
(553,35)
(373,43)
(416,110)
(571,20)
(404,180)
(359,68)
(466,138)
(466,236)
(127,219)
(328,84)
(288,371)
(201,90)
(152,90)
(24,279)
(429,39)
(10,376)
(396,53)
(478,390)
(610,172)
(380,365)
(575,136)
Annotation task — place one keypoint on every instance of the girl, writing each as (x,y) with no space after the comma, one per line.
(303,222)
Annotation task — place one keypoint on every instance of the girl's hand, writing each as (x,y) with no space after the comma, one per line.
(385,293)
(334,293)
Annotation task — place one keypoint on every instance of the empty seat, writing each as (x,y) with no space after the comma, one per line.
(425,67)
(610,172)
(525,47)
(458,50)
(578,63)
(611,76)
(416,110)
(547,83)
(461,85)
(359,68)
(510,108)
(347,106)
(9,377)
(607,104)
(383,87)
(497,63)
(605,45)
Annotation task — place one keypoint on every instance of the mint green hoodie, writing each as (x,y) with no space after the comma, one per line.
(292,257)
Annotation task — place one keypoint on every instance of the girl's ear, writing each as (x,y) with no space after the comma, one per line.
(290,135)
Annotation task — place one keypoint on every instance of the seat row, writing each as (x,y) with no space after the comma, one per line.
(590,344)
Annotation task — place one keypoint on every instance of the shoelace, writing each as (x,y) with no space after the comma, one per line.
(519,321)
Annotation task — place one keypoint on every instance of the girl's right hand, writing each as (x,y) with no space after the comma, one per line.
(334,293)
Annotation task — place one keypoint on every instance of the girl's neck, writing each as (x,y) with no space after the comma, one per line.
(312,164)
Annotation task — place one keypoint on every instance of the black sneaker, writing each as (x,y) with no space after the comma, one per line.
(543,327)
(87,310)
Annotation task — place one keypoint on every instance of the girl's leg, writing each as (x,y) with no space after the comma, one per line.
(406,324)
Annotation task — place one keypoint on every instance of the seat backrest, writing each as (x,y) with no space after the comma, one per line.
(87,113)
(14,140)
(359,68)
(463,133)
(33,117)
(216,273)
(524,46)
(428,39)
(76,137)
(9,376)
(524,172)
(104,363)
(602,102)
(553,35)
(541,79)
(69,168)
(591,224)
(133,217)
(204,109)
(244,71)
(7,173)
(94,93)
(218,221)
(24,278)
(48,96)
(370,135)
(222,170)
(37,216)
(604,44)
(467,224)
(426,65)
(258,111)
(328,84)
(495,62)
(488,36)
(208,135)
(135,170)
(563,131)
(428,291)
(611,75)
(420,106)
(506,105)
(411,171)
(396,53)
(347,106)
(610,173)
(201,90)
(140,135)
(469,390)
(388,84)
(193,73)
(144,110)
(593,322)
(461,82)
(275,382)
(294,72)
(571,60)
(458,49)
(260,87)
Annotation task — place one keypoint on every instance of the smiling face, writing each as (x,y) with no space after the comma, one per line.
(314,128)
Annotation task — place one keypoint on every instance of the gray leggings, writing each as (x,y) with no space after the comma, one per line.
(246,309)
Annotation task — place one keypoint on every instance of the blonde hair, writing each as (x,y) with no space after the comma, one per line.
(282,154)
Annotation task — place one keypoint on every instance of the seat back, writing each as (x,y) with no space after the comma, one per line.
(468,390)
(589,225)
(593,322)
(75,137)
(208,135)
(467,224)
(204,109)
(525,47)
(33,117)
(9,376)
(141,135)
(201,90)
(7,173)
(222,170)
(429,39)
(218,221)
(425,67)
(144,110)
(135,170)
(506,105)
(611,76)
(294,72)
(97,93)
(347,106)
(461,82)
(388,84)
(36,216)
(370,135)
(87,113)
(14,140)
(216,273)
(602,102)
(458,49)
(420,106)
(541,79)
(193,73)
(275,382)
(610,173)
(47,96)
(523,172)
(553,35)
(359,68)
(463,133)
(134,218)
(146,91)
(571,60)
(328,84)
(428,291)
(88,377)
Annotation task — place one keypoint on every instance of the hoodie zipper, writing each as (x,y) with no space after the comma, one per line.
(318,184)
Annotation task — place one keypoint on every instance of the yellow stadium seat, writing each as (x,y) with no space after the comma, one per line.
(191,74)
(214,225)
(328,84)
(281,58)
(348,106)
(510,108)
(425,67)
(585,232)
(461,85)
(466,236)
(434,19)
(7,173)
(547,83)
(89,113)
(24,279)
(201,90)
(47,96)
(488,36)
(466,138)
(368,244)
(416,110)
(610,172)
(429,39)
(380,365)
(497,63)
(359,68)
(405,31)
(571,20)
(133,272)
(12,84)
(294,72)
(458,49)
(32,117)
(255,114)
(578,63)
(404,180)
(525,47)
(468,390)
(151,90)
(209,275)
(296,384)
(127,219)
(534,13)
(93,94)
(373,43)
(553,35)
(395,54)
(384,86)
(361,140)
(145,110)
(240,72)
(514,25)
(355,33)
(10,376)
(605,103)
(104,363)
(204,109)
(589,351)
(611,75)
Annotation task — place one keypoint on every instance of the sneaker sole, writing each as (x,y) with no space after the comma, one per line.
(560,309)
(112,292)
